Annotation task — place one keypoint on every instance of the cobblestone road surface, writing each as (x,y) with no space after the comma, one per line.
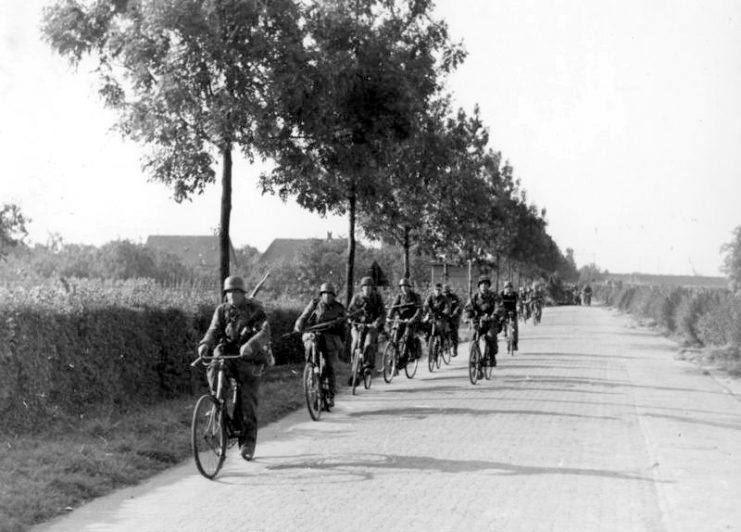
(593,426)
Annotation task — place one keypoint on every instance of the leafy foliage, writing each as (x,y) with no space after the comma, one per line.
(732,260)
(12,227)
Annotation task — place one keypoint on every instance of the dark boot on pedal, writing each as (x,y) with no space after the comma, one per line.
(247,451)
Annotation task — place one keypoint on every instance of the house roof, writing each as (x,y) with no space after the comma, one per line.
(282,249)
(193,250)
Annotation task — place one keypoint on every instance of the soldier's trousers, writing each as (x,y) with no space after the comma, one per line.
(249,376)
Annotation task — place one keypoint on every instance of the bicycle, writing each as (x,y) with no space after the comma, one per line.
(212,428)
(439,346)
(358,357)
(508,329)
(537,312)
(392,356)
(478,364)
(315,380)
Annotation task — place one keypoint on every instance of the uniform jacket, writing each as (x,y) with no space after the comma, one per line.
(372,307)
(455,305)
(234,325)
(317,311)
(509,301)
(482,304)
(438,306)
(412,308)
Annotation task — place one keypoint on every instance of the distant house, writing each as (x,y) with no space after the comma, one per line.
(288,249)
(285,249)
(194,251)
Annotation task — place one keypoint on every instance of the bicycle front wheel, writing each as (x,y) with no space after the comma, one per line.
(445,352)
(433,353)
(312,392)
(389,362)
(208,436)
(412,362)
(487,363)
(474,358)
(355,364)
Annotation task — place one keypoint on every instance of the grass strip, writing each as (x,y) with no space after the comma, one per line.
(59,468)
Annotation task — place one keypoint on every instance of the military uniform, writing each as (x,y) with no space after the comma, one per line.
(407,307)
(330,341)
(455,318)
(372,311)
(485,305)
(509,305)
(437,307)
(233,326)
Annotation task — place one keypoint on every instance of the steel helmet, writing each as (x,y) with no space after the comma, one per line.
(508,284)
(234,283)
(327,287)
(366,281)
(483,279)
(405,282)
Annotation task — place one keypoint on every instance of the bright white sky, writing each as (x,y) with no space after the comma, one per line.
(621,117)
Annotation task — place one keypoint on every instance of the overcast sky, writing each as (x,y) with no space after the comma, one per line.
(621,118)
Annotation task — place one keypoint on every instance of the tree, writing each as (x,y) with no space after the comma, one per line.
(370,69)
(590,273)
(12,227)
(191,80)
(732,260)
(396,214)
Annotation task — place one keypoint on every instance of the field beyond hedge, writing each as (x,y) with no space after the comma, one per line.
(706,319)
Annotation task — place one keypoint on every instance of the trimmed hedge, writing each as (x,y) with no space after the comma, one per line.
(71,359)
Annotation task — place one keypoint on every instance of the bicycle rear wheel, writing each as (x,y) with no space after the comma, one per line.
(389,362)
(312,392)
(412,362)
(474,358)
(208,436)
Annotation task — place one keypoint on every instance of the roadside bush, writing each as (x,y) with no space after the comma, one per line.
(702,317)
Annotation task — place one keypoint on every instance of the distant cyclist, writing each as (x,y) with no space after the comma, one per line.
(481,310)
(456,308)
(508,299)
(437,309)
(586,294)
(325,309)
(368,306)
(407,306)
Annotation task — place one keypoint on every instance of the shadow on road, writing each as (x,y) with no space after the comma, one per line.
(425,463)
(423,412)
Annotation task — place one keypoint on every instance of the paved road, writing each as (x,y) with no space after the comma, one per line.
(594,426)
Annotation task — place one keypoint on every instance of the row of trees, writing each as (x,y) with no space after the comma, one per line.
(345,96)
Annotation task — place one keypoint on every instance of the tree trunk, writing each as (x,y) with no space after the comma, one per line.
(407,272)
(445,271)
(470,278)
(498,263)
(226,211)
(351,246)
